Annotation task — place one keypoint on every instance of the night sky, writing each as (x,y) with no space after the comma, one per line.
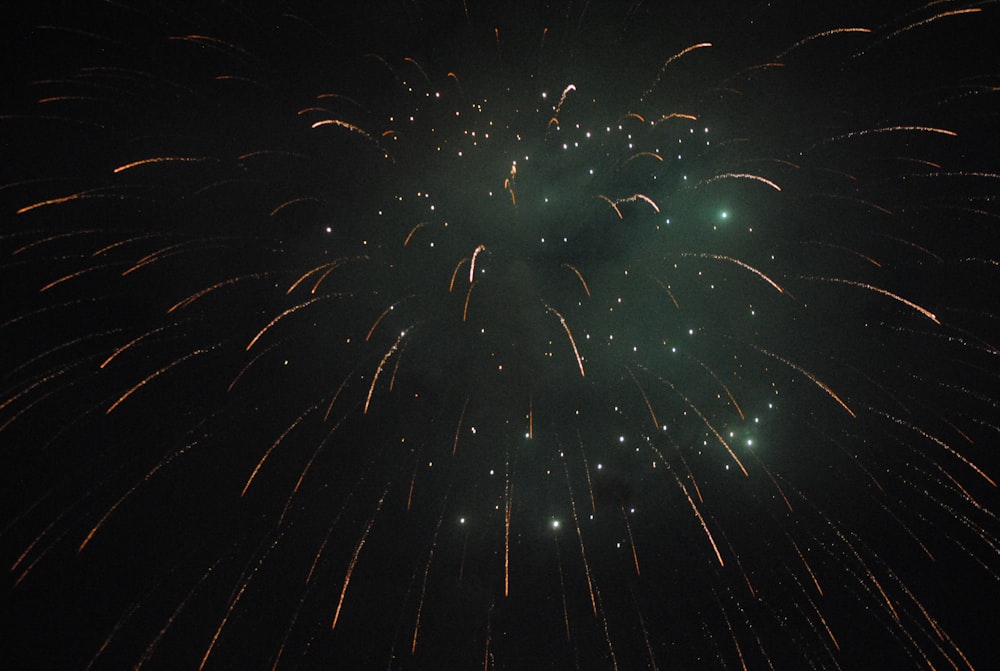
(457,335)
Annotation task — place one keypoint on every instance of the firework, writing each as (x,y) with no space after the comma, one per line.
(617,338)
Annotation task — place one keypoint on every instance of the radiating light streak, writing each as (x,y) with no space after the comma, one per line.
(670,60)
(161,371)
(705,421)
(569,334)
(562,589)
(458,426)
(579,536)
(348,126)
(412,231)
(675,115)
(815,380)
(465,305)
(936,17)
(378,320)
(277,441)
(305,470)
(645,398)
(863,285)
(697,514)
(741,264)
(378,371)
(612,203)
(825,33)
(235,599)
(454,273)
(940,443)
(282,315)
(160,159)
(508,497)
(423,587)
(808,568)
(146,478)
(50,238)
(472,262)
(154,644)
(579,276)
(742,175)
(562,98)
(81,195)
(639,196)
(354,558)
(294,201)
(207,290)
(631,540)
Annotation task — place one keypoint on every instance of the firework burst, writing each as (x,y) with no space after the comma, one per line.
(415,339)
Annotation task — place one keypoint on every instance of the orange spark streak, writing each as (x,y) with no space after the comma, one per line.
(378,371)
(579,536)
(701,519)
(454,274)
(631,540)
(71,276)
(562,590)
(305,470)
(508,501)
(562,98)
(743,175)
(806,564)
(579,276)
(924,311)
(708,424)
(940,443)
(732,398)
(741,264)
(825,33)
(423,588)
(639,196)
(458,427)
(195,296)
(942,15)
(160,159)
(468,297)
(349,126)
(284,314)
(649,406)
(612,203)
(670,60)
(131,343)
(324,266)
(531,418)
(412,231)
(146,478)
(569,334)
(154,257)
(275,444)
(815,380)
(652,154)
(382,316)
(413,483)
(58,201)
(472,263)
(675,115)
(354,559)
(234,601)
(670,293)
(153,376)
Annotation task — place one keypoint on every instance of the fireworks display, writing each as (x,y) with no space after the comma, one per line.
(587,336)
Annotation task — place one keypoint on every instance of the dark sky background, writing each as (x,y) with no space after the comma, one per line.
(697,368)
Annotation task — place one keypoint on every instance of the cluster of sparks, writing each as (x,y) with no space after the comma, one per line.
(527,323)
